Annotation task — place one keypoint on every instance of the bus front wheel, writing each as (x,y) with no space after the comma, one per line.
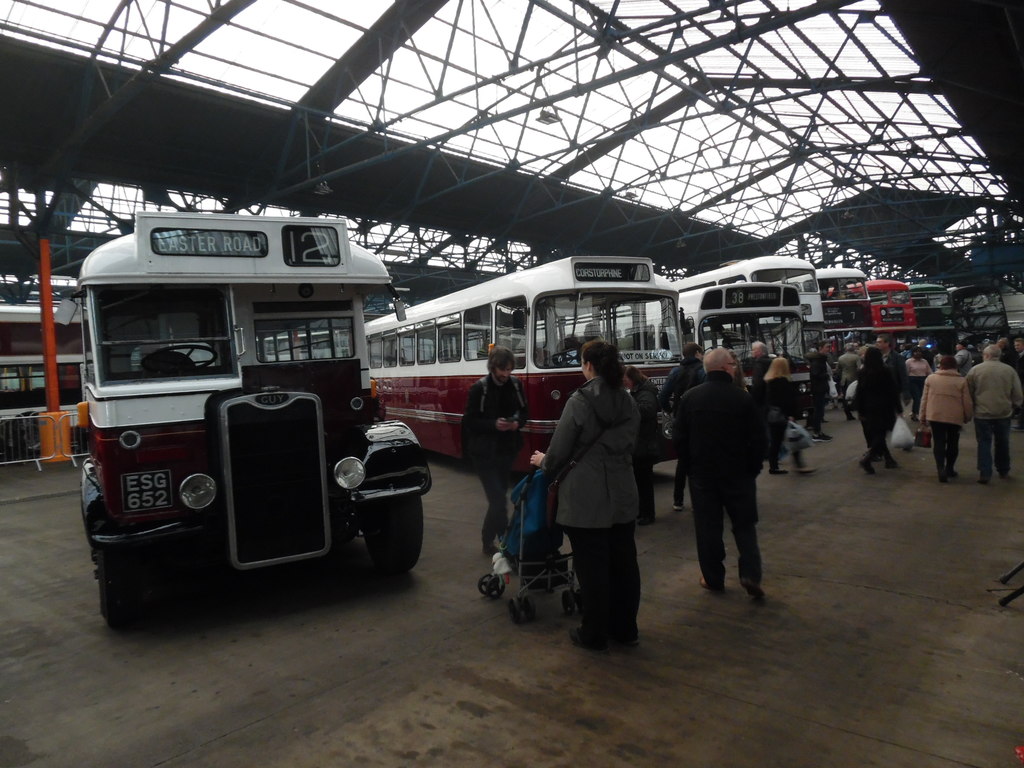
(395,545)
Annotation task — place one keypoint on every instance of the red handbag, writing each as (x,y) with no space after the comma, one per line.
(923,437)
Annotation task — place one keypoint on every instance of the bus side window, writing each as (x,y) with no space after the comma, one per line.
(390,350)
(449,338)
(376,346)
(510,327)
(406,348)
(426,343)
(477,332)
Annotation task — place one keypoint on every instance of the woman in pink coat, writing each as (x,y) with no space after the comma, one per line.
(946,406)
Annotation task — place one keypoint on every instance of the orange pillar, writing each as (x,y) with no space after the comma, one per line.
(50,435)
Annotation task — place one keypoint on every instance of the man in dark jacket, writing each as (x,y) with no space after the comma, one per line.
(721,440)
(689,373)
(821,374)
(495,411)
(762,362)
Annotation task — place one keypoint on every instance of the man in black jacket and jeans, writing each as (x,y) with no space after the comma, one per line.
(721,440)
(495,411)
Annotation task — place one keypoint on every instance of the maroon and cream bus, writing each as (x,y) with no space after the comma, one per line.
(227,396)
(425,364)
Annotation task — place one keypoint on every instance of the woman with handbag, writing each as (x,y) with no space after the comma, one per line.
(877,402)
(591,456)
(782,408)
(946,405)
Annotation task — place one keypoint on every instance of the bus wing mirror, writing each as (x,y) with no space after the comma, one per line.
(66,311)
(400,310)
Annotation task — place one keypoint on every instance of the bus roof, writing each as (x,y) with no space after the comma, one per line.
(743,267)
(928,288)
(196,247)
(839,272)
(886,285)
(552,277)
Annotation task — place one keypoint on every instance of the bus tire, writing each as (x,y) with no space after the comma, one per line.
(119,578)
(395,546)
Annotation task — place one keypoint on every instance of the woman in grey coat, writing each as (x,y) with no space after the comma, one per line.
(597,500)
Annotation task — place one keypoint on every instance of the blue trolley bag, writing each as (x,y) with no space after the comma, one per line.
(529,524)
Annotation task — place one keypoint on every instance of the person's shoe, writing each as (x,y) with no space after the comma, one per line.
(753,589)
(865,464)
(711,588)
(913,417)
(574,635)
(629,642)
(778,471)
(983,479)
(1017,429)
(1004,475)
(807,470)
(943,477)
(851,418)
(677,507)
(891,464)
(821,437)
(951,474)
(644,520)
(489,549)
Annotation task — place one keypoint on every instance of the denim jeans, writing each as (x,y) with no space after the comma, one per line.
(986,430)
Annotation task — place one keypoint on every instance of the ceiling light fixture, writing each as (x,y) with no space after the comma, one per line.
(548,116)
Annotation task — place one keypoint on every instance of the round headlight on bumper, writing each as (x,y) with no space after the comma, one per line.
(197,491)
(349,473)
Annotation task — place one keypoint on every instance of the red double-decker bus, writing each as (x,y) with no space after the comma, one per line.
(892,306)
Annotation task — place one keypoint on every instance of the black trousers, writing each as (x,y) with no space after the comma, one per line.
(605,561)
(875,439)
(679,488)
(494,475)
(713,498)
(643,473)
(945,445)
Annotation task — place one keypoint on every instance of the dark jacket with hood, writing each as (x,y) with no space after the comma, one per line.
(648,442)
(600,490)
(488,401)
(719,431)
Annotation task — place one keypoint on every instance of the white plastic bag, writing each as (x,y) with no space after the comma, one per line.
(901,438)
(832,391)
(797,438)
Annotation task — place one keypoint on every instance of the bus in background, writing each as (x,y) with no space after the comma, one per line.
(934,309)
(892,309)
(786,270)
(22,382)
(735,316)
(228,403)
(424,364)
(979,314)
(845,304)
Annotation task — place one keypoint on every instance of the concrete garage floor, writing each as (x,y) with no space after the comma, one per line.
(881,642)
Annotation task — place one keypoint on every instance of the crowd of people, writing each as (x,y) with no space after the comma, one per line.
(723,430)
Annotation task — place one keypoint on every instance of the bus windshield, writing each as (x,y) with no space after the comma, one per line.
(782,334)
(802,279)
(641,326)
(836,288)
(147,333)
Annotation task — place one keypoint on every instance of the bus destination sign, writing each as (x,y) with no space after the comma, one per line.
(310,246)
(748,296)
(209,242)
(593,273)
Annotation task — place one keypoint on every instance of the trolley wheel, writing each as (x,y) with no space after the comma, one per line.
(568,603)
(513,612)
(484,585)
(528,608)
(496,587)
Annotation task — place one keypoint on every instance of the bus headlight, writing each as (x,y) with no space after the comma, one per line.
(349,473)
(197,491)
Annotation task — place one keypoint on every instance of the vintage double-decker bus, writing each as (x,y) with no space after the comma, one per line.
(933,307)
(845,303)
(735,316)
(892,308)
(425,363)
(227,396)
(786,270)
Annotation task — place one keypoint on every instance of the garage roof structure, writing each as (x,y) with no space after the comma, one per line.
(466,137)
